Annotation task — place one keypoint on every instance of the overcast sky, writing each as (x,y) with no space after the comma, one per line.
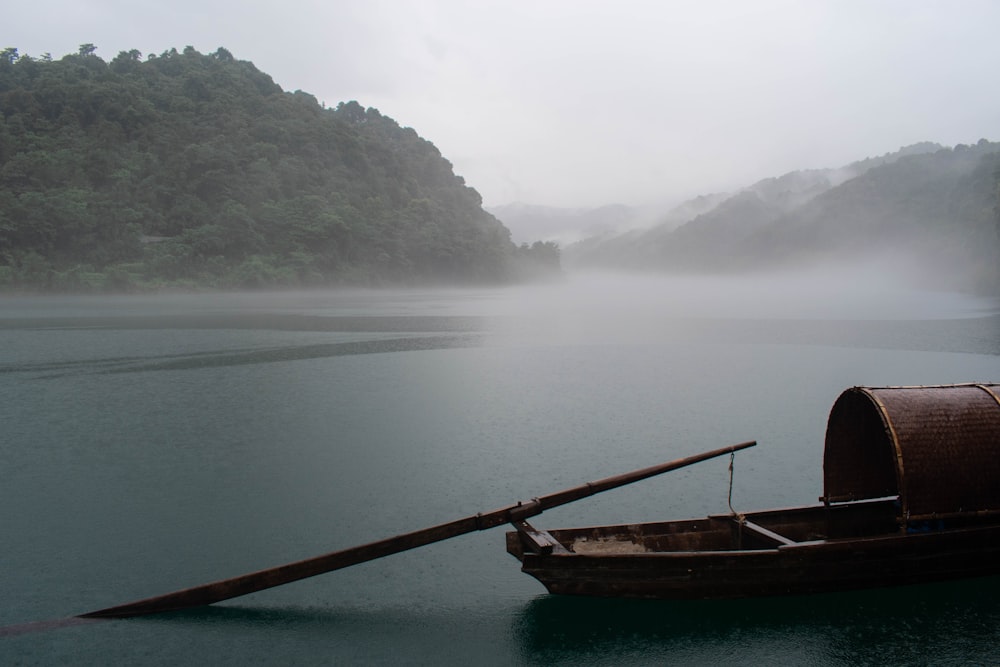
(580,103)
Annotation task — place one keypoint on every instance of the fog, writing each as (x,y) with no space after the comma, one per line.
(596,306)
(854,293)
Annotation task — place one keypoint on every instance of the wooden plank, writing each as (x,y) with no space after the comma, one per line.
(542,541)
(765,533)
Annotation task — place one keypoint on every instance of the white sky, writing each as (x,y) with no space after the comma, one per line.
(582,103)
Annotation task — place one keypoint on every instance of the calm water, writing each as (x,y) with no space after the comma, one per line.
(154,443)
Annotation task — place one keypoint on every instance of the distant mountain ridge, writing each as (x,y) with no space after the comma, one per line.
(567,226)
(611,227)
(935,205)
(530,222)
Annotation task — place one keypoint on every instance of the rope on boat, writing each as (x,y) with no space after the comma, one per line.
(739,516)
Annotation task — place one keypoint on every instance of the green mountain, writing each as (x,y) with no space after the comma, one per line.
(195,170)
(929,209)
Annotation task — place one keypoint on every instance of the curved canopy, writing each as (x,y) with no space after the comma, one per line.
(936,447)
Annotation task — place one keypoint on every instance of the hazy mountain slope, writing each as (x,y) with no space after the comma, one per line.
(707,240)
(938,211)
(935,209)
(710,238)
(637,246)
(713,225)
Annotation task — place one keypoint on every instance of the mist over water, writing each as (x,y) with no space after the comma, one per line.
(868,308)
(863,293)
(159,441)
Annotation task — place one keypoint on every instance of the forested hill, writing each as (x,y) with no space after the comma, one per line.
(931,210)
(185,169)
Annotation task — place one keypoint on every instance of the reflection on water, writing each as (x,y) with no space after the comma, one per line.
(929,624)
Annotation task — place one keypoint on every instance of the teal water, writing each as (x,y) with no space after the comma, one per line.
(157,442)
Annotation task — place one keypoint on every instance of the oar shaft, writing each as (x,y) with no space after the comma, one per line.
(257,581)
(284,574)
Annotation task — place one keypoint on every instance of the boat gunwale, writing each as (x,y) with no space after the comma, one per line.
(876,541)
(794,509)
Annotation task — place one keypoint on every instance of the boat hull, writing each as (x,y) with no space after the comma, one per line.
(748,567)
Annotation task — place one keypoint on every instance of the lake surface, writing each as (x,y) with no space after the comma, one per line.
(151,443)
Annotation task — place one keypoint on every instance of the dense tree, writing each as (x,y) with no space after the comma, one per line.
(191,169)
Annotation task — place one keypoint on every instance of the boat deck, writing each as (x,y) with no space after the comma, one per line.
(727,532)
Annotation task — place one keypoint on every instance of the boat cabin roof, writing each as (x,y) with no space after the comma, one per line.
(936,447)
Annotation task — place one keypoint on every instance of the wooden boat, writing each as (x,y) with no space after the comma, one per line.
(912,477)
(911,495)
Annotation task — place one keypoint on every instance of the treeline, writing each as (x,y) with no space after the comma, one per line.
(191,170)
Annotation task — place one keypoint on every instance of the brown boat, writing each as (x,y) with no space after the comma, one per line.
(912,482)
(912,495)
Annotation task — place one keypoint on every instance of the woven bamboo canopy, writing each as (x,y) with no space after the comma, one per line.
(936,447)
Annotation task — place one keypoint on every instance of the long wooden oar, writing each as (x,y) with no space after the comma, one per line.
(283,574)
